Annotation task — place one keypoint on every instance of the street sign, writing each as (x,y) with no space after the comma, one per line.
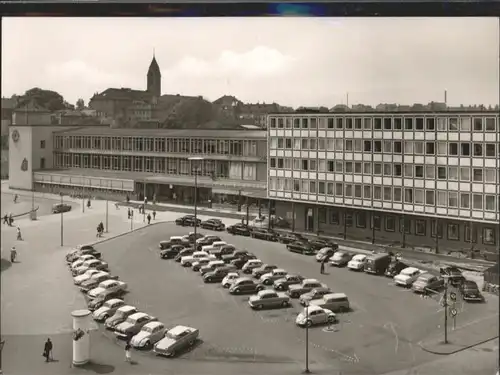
(453,296)
(453,312)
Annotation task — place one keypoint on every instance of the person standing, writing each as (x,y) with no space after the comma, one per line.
(128,355)
(19,237)
(47,350)
(128,213)
(154,215)
(322,267)
(6,219)
(149,218)
(11,220)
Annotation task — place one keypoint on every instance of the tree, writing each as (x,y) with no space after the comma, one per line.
(80,104)
(48,99)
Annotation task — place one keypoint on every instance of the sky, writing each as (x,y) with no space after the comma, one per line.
(290,61)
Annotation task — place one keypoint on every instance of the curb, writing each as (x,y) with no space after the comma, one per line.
(26,213)
(460,349)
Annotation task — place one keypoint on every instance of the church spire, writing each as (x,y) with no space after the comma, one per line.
(154,77)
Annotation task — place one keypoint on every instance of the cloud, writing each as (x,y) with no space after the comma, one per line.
(79,71)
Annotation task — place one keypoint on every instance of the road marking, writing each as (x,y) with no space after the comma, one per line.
(390,326)
(353,359)
(477,321)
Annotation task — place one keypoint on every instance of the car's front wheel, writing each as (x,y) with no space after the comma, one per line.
(267,282)
(309,323)
(331,319)
(279,287)
(284,304)
(258,307)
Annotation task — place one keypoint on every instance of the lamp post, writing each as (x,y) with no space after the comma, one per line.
(144,206)
(306,370)
(83,194)
(195,160)
(445,305)
(62,221)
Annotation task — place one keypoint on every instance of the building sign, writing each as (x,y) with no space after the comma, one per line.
(15,135)
(24,165)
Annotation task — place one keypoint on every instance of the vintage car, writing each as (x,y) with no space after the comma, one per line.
(90,264)
(176,340)
(357,263)
(206,240)
(245,285)
(60,208)
(270,277)
(85,276)
(264,234)
(428,283)
(201,263)
(316,293)
(268,299)
(324,253)
(174,240)
(99,301)
(213,247)
(79,262)
(171,252)
(340,259)
(184,253)
(132,325)
(395,268)
(149,335)
(454,275)
(284,283)
(470,291)
(315,315)
(192,237)
(107,309)
(108,287)
(77,253)
(119,316)
(286,238)
(319,243)
(229,279)
(213,224)
(250,265)
(332,302)
(301,248)
(95,280)
(296,290)
(188,260)
(407,276)
(212,266)
(240,259)
(187,221)
(216,275)
(265,268)
(220,251)
(239,229)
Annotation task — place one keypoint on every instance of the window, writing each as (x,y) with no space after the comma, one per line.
(288,143)
(467,233)
(358,145)
(436,226)
(408,123)
(489,175)
(420,227)
(490,124)
(304,187)
(387,193)
(273,162)
(348,166)
(321,144)
(357,123)
(305,123)
(397,194)
(405,225)
(478,124)
(296,164)
(387,123)
(490,149)
(348,190)
(334,216)
(377,146)
(464,174)
(430,172)
(377,169)
(305,164)
(453,149)
(375,224)
(329,188)
(441,148)
(478,149)
(377,193)
(273,123)
(477,201)
(430,197)
(408,195)
(388,146)
(296,123)
(330,123)
(348,123)
(441,173)
(296,143)
(464,149)
(441,198)
(390,223)
(312,145)
(465,123)
(419,196)
(321,165)
(490,203)
(281,164)
(419,171)
(453,124)
(408,147)
(357,167)
(453,173)
(398,123)
(339,189)
(367,123)
(441,122)
(397,169)
(367,145)
(430,124)
(397,147)
(367,168)
(477,174)
(321,187)
(361,219)
(429,148)
(42,144)
(339,121)
(367,192)
(387,169)
(377,125)
(453,232)
(452,199)
(464,200)
(488,236)
(42,163)
(348,145)
(418,147)
(348,219)
(280,142)
(288,163)
(419,123)
(339,145)
(408,170)
(322,215)
(357,191)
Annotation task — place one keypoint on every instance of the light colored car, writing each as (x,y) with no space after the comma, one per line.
(133,324)
(85,276)
(284,283)
(428,283)
(268,299)
(325,252)
(230,279)
(340,259)
(90,264)
(174,240)
(296,290)
(107,287)
(276,274)
(408,276)
(333,302)
(315,315)
(149,335)
(200,263)
(107,309)
(251,264)
(188,261)
(211,266)
(175,340)
(316,293)
(357,263)
(95,280)
(119,316)
(82,259)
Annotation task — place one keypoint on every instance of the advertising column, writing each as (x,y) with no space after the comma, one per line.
(81,336)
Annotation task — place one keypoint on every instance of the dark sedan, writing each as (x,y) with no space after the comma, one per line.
(320,243)
(187,221)
(264,234)
(239,229)
(240,262)
(213,224)
(286,238)
(184,253)
(216,275)
(206,241)
(223,250)
(301,248)
(454,275)
(236,255)
(60,208)
(171,252)
(470,291)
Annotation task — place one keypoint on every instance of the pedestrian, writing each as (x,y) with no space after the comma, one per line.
(128,199)
(101,225)
(154,215)
(88,203)
(47,350)
(128,356)
(128,213)
(98,231)
(322,267)
(15,198)
(6,219)
(19,237)
(11,220)
(13,254)
(149,218)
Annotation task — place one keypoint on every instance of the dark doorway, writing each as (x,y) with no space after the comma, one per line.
(310,220)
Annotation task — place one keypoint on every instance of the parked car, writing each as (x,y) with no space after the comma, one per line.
(377,263)
(268,299)
(315,315)
(192,237)
(333,302)
(286,237)
(239,229)
(250,265)
(226,249)
(270,277)
(107,309)
(229,279)
(79,262)
(407,276)
(284,283)
(174,240)
(240,262)
(187,221)
(296,290)
(187,261)
(324,253)
(175,340)
(264,234)
(394,268)
(319,243)
(119,316)
(85,276)
(454,275)
(99,301)
(259,222)
(470,291)
(316,293)
(427,283)
(171,252)
(357,263)
(149,335)
(240,255)
(60,208)
(216,275)
(77,253)
(245,285)
(265,268)
(107,287)
(184,253)
(132,325)
(341,258)
(213,224)
(201,263)
(206,240)
(301,248)
(95,280)
(90,264)
(212,266)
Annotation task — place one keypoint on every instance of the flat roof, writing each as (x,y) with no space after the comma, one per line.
(389,113)
(172,133)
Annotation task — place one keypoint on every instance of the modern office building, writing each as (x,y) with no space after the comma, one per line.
(418,179)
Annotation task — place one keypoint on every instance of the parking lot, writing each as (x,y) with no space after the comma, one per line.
(379,335)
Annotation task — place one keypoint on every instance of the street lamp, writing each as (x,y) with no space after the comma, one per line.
(195,161)
(107,202)
(62,221)
(445,305)
(306,370)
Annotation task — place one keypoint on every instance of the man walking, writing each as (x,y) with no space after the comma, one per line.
(128,356)
(149,218)
(322,268)
(47,350)
(6,219)
(154,215)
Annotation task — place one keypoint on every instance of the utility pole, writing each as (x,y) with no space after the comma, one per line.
(306,370)
(62,221)
(445,305)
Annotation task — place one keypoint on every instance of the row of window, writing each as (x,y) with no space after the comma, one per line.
(432,172)
(173,166)
(441,148)
(427,123)
(440,198)
(407,225)
(174,145)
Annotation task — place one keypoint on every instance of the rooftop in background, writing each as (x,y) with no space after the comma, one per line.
(397,112)
(174,133)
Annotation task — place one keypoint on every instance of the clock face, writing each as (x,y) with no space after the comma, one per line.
(15,135)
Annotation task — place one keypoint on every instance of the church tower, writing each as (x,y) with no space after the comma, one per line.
(154,78)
